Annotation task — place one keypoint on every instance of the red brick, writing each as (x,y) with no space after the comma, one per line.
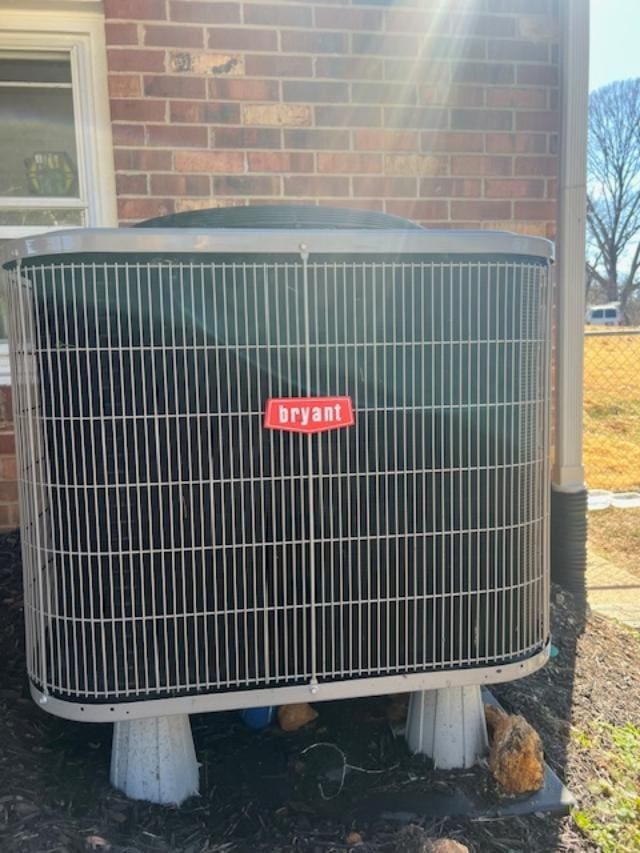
(513,188)
(169,185)
(480,210)
(385,140)
(481,119)
(415,164)
(175,87)
(321,186)
(510,96)
(476,165)
(552,188)
(348,116)
(451,141)
(328,140)
(125,86)
(241,89)
(358,203)
(204,112)
(386,45)
(178,136)
(277,15)
(483,72)
(245,185)
(535,210)
(314,91)
(384,93)
(142,161)
(9,516)
(401,21)
(137,209)
(279,161)
(276,115)
(6,404)
(172,36)
(209,161)
(138,109)
(8,468)
(278,66)
(520,51)
(419,210)
(120,33)
(8,492)
(349,164)
(140,59)
(313,41)
(450,187)
(226,38)
(248,137)
(416,117)
(541,121)
(426,71)
(131,184)
(537,166)
(452,96)
(385,187)
(349,19)
(127,134)
(349,67)
(537,75)
(483,25)
(204,12)
(7,442)
(516,143)
(135,10)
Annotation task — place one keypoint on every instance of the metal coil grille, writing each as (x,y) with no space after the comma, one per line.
(174,546)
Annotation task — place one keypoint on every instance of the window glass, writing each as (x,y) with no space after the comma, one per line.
(38,157)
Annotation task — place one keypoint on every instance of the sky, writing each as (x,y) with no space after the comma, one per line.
(615,41)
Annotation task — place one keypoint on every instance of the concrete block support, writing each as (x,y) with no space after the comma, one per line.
(448,725)
(154,759)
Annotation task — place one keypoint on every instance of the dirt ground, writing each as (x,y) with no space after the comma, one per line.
(264,792)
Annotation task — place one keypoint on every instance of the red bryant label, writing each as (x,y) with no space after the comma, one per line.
(308,414)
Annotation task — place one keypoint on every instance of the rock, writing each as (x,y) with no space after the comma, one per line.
(516,758)
(294,717)
(448,845)
(353,839)
(413,839)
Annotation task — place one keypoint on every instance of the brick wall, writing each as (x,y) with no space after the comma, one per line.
(445,112)
(8,475)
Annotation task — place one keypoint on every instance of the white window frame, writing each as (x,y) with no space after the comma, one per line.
(78,32)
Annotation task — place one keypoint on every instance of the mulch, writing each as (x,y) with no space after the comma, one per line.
(270,791)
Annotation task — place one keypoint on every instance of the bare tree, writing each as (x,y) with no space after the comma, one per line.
(613,190)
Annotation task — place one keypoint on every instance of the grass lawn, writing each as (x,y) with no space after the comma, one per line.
(612,411)
(615,535)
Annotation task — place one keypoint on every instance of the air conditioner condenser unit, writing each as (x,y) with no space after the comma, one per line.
(269,465)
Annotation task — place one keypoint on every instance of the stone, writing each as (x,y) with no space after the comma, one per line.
(294,717)
(516,758)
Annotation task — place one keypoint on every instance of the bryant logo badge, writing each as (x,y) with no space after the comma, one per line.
(308,414)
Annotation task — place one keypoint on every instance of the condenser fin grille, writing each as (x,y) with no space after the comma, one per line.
(174,546)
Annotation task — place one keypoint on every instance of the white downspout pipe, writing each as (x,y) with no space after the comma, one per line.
(568,472)
(569,494)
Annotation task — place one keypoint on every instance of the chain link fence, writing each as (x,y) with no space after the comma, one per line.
(612,409)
